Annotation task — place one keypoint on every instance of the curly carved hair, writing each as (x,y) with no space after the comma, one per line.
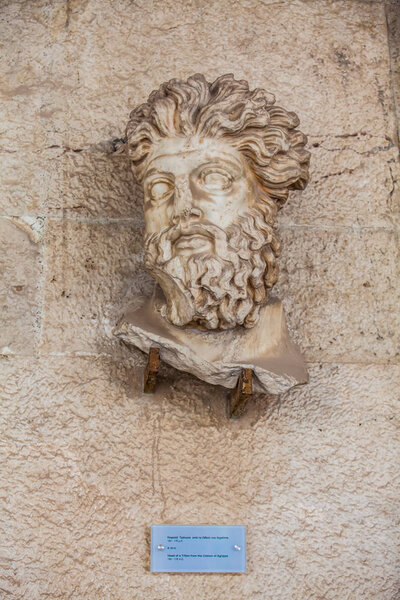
(248,119)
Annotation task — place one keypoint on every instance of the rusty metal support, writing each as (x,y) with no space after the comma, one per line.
(150,373)
(241,394)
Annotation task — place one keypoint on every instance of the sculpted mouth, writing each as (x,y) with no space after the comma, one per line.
(192,236)
(192,241)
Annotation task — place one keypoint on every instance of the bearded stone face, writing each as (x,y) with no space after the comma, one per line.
(209,237)
(216,160)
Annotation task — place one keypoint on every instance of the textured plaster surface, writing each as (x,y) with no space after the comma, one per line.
(20,268)
(88,461)
(91,463)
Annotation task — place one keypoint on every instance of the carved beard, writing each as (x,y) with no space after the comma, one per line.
(219,289)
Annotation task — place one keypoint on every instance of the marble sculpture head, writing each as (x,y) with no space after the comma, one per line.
(216,161)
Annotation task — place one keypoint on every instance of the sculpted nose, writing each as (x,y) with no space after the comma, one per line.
(183,199)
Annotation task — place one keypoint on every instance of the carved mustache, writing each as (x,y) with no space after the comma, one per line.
(187,228)
(166,238)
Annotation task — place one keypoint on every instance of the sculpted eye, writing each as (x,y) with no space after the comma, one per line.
(216,179)
(160,189)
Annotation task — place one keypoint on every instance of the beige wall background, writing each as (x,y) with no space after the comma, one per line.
(89,461)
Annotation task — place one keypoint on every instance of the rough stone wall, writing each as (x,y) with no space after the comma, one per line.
(90,462)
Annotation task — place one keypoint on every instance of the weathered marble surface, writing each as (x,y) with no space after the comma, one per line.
(219,357)
(216,161)
(88,461)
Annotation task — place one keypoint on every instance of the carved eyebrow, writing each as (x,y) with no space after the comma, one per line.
(155,171)
(236,167)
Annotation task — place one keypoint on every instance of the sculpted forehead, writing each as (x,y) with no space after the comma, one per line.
(180,155)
